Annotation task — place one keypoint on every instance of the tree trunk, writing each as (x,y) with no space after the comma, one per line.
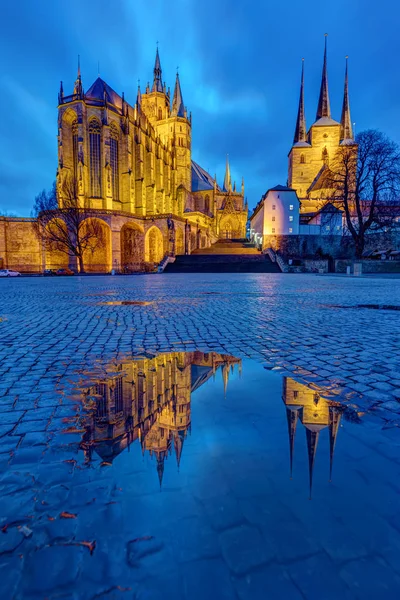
(360,243)
(81,264)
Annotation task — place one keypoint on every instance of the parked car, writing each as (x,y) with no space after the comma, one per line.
(49,272)
(8,273)
(64,271)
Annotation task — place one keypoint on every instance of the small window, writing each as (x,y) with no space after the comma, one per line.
(273,230)
(273,218)
(180,129)
(290,230)
(159,113)
(291,218)
(302,159)
(337,227)
(328,227)
(273,207)
(295,394)
(291,207)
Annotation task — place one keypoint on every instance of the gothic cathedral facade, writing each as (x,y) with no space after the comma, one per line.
(132,167)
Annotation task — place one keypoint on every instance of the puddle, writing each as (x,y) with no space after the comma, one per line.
(371,306)
(193,472)
(147,402)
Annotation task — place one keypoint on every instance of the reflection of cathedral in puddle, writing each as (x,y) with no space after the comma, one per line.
(315,413)
(148,398)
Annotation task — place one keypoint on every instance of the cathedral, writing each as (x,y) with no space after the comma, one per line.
(313,149)
(132,166)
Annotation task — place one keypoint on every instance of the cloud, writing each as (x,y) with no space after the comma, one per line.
(239,65)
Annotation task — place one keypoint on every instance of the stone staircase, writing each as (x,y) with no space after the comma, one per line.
(225,256)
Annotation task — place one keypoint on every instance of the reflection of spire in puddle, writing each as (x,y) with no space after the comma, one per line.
(316,413)
(312,443)
(146,398)
(292,415)
(334,422)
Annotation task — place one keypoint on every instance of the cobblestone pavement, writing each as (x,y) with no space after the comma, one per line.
(338,333)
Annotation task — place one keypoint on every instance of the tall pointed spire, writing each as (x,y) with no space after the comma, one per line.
(178,109)
(312,443)
(61,93)
(160,466)
(227,180)
(292,416)
(139,97)
(179,438)
(78,89)
(324,107)
(300,134)
(157,83)
(346,130)
(334,422)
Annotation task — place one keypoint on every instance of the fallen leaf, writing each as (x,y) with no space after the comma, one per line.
(67,515)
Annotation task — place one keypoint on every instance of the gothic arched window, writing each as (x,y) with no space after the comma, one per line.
(95,158)
(207,204)
(160,113)
(114,161)
(302,159)
(75,149)
(325,156)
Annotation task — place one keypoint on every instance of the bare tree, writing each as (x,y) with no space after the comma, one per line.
(365,182)
(65,226)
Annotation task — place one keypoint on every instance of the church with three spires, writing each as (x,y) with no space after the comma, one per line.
(312,149)
(132,166)
(303,206)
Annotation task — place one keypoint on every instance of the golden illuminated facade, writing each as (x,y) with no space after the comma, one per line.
(312,150)
(315,413)
(147,399)
(132,164)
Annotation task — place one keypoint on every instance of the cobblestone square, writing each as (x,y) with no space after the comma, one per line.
(229,522)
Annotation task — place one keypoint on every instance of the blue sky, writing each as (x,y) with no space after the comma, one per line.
(239,64)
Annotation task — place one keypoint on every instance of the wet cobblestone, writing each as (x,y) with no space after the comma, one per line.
(54,331)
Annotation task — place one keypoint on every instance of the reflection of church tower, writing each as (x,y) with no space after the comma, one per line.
(312,436)
(292,415)
(316,413)
(160,466)
(334,422)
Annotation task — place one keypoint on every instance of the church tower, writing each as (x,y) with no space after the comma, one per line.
(170,122)
(312,151)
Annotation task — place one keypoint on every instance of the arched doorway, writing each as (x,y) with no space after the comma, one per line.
(132,248)
(154,245)
(96,235)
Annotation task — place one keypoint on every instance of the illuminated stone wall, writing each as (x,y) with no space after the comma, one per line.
(20,248)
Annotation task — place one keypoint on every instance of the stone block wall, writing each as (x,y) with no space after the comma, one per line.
(20,249)
(308,246)
(304,245)
(369,266)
